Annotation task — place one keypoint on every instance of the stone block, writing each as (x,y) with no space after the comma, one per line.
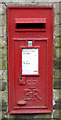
(56,19)
(1,30)
(57,105)
(2,8)
(56,7)
(57,94)
(0,84)
(0,53)
(57,114)
(42,116)
(0,64)
(60,7)
(2,20)
(3,86)
(57,41)
(58,52)
(4,106)
(4,64)
(0,100)
(57,83)
(1,74)
(56,30)
(2,42)
(0,115)
(57,73)
(5,96)
(59,18)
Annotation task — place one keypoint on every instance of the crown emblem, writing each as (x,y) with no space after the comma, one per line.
(31,83)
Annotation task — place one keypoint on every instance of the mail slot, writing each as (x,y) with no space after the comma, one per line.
(30,59)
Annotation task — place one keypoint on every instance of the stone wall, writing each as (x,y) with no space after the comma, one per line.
(4,58)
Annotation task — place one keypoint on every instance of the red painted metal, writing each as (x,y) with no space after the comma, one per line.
(30,20)
(30,93)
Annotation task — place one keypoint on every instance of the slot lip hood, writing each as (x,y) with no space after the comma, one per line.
(30,20)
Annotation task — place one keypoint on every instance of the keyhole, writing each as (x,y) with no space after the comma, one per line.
(20,78)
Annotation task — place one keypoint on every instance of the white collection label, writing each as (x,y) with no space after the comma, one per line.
(30,61)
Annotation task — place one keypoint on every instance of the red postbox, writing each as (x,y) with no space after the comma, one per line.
(30,59)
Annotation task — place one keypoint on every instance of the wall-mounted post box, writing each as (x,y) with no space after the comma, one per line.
(30,59)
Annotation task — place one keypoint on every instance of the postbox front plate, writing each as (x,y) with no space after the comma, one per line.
(30,59)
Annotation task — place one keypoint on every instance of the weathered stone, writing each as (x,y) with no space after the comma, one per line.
(1,74)
(58,52)
(60,19)
(56,19)
(57,84)
(1,115)
(2,20)
(4,53)
(5,96)
(0,64)
(0,85)
(57,114)
(56,30)
(43,116)
(1,30)
(2,9)
(0,53)
(57,73)
(4,106)
(57,94)
(3,86)
(2,42)
(57,105)
(4,64)
(54,52)
(60,7)
(0,100)
(56,7)
(57,41)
